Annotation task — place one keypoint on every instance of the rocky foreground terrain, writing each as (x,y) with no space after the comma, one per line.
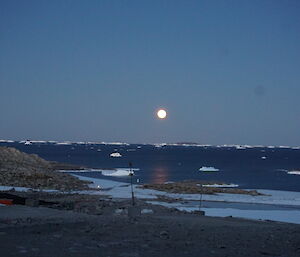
(79,225)
(29,170)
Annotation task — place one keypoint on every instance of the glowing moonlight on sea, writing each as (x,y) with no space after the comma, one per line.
(162,114)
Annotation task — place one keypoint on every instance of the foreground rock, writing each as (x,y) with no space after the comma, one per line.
(194,187)
(28,170)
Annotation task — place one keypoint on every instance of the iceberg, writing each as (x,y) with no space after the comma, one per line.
(115,155)
(294,172)
(208,169)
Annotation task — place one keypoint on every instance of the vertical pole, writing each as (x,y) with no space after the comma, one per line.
(131,174)
(201,192)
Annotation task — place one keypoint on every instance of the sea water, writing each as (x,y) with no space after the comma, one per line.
(256,167)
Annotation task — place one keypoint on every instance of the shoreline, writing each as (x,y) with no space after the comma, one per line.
(287,202)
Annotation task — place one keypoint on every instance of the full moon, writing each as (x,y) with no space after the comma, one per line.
(162,114)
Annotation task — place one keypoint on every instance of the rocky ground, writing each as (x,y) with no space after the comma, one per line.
(194,187)
(28,170)
(94,226)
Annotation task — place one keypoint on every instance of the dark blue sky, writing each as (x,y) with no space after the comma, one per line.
(228,72)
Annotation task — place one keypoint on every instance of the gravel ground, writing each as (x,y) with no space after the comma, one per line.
(41,231)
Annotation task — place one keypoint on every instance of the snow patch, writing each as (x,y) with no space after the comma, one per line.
(221,185)
(117,172)
(25,189)
(147,211)
(105,172)
(290,216)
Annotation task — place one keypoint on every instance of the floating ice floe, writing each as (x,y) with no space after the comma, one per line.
(6,141)
(30,142)
(114,143)
(160,145)
(115,155)
(208,169)
(64,143)
(294,172)
(264,157)
(240,147)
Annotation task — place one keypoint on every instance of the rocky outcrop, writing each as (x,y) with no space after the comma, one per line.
(194,187)
(12,159)
(29,170)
